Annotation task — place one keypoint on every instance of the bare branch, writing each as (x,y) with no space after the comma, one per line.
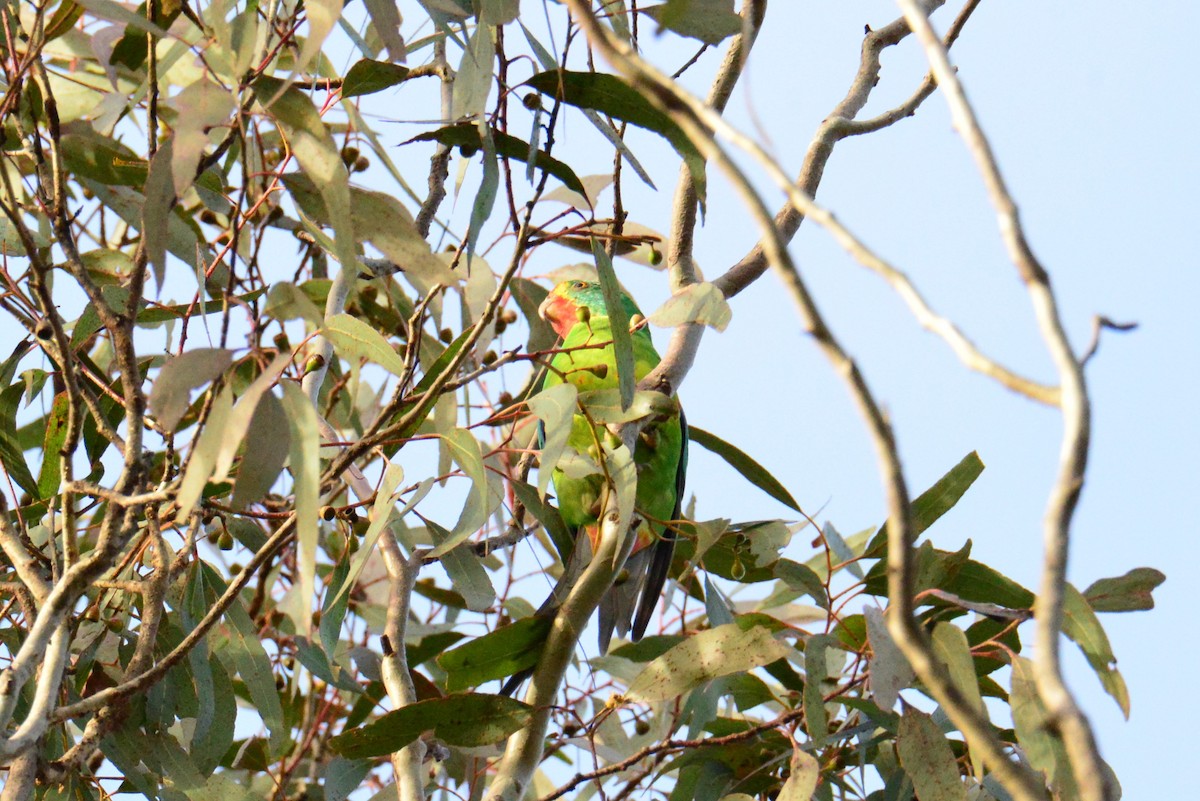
(402,577)
(439,163)
(1061,706)
(680,265)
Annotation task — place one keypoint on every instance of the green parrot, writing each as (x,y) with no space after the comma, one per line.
(577,312)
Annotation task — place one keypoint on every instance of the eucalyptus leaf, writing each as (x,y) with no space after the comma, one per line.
(703,657)
(465,720)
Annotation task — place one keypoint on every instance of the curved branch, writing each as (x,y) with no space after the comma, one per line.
(680,266)
(1064,712)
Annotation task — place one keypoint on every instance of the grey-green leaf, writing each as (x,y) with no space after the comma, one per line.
(619,319)
(751,470)
(171,393)
(464,720)
(1128,593)
(928,758)
(703,657)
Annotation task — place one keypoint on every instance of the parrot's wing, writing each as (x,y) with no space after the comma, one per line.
(664,549)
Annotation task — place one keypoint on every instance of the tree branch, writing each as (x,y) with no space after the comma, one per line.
(1064,712)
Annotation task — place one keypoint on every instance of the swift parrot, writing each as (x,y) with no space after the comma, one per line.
(586,357)
(577,312)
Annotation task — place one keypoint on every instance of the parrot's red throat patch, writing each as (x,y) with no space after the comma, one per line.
(560,312)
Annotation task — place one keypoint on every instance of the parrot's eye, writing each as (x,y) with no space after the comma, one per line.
(579,285)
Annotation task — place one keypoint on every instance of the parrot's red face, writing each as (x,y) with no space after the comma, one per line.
(561,306)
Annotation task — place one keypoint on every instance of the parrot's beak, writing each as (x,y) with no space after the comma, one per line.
(544,309)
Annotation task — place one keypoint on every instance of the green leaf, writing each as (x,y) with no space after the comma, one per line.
(321,16)
(932,569)
(368,76)
(171,393)
(703,657)
(344,776)
(117,296)
(934,502)
(183,236)
(110,10)
(751,470)
(623,478)
(1031,722)
(619,322)
(1082,626)
(469,721)
(816,670)
(431,645)
(842,549)
(489,187)
(262,463)
(498,12)
(611,96)
(159,192)
(473,83)
(380,219)
(465,570)
(333,608)
(382,513)
(244,653)
(465,450)
(203,105)
(355,338)
(951,648)
(50,475)
(928,758)
(466,135)
(316,661)
(604,406)
(205,451)
(131,49)
(238,426)
(1128,593)
(305,462)
(290,302)
(204,669)
(385,21)
(802,578)
(978,582)
(529,295)
(710,21)
(548,516)
(497,654)
(555,407)
(63,19)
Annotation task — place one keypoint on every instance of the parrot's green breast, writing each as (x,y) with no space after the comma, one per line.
(659,448)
